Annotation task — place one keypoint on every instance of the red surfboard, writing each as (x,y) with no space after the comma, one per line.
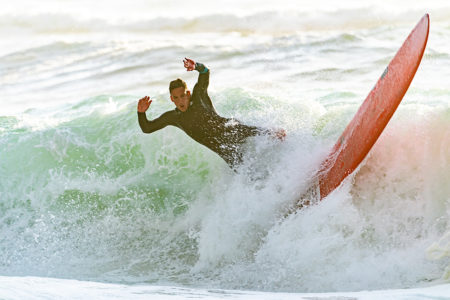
(375,112)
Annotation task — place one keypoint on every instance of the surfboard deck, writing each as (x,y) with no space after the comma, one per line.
(377,109)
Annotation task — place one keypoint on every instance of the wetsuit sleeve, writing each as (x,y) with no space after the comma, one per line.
(203,77)
(149,126)
(200,92)
(255,130)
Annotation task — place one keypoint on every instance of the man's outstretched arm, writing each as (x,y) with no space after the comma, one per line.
(203,76)
(201,87)
(153,125)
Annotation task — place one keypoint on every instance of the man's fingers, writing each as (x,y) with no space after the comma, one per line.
(146,99)
(144,104)
(188,63)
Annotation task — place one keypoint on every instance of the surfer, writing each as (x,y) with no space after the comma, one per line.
(196,116)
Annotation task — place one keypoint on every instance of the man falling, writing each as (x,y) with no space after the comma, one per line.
(197,117)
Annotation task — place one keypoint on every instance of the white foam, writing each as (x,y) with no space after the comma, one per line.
(37,288)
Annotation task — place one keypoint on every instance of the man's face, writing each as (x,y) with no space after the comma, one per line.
(181,98)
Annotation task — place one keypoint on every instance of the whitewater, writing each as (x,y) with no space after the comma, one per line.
(91,207)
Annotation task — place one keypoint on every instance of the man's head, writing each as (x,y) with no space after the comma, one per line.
(179,94)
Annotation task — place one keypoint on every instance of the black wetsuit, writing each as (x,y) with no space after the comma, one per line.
(202,123)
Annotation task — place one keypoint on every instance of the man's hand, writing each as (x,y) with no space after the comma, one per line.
(144,104)
(189,64)
(279,134)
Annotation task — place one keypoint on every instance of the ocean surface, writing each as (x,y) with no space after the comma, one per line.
(90,207)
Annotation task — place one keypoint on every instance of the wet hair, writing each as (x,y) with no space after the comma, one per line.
(176,84)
